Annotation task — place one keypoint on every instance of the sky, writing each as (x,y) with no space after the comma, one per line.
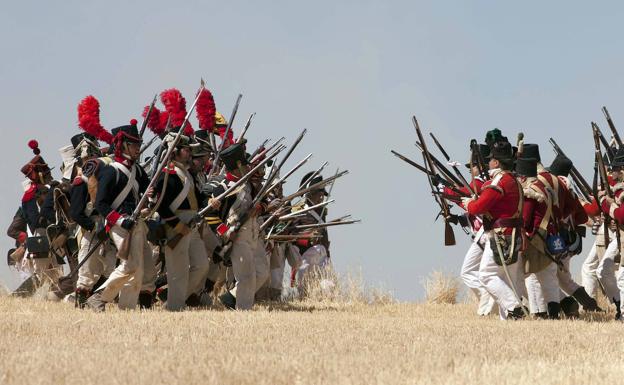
(351,72)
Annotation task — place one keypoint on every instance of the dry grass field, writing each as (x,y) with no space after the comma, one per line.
(311,342)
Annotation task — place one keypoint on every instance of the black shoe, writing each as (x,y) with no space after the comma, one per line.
(193,300)
(588,303)
(146,299)
(541,315)
(618,311)
(515,314)
(208,286)
(553,310)
(228,300)
(570,307)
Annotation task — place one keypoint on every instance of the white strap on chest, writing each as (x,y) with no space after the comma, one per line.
(314,214)
(187,181)
(132,184)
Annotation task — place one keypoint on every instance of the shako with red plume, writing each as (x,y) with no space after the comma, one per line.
(175,105)
(89,119)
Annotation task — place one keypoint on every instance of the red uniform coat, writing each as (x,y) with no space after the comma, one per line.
(499,199)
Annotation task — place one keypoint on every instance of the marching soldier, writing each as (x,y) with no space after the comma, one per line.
(91,225)
(500,204)
(178,202)
(120,185)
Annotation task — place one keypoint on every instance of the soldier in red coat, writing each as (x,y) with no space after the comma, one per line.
(500,204)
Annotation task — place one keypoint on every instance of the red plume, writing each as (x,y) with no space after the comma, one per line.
(175,105)
(89,119)
(34,145)
(206,110)
(154,123)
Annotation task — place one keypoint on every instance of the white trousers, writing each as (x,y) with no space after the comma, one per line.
(494,279)
(313,261)
(250,264)
(566,282)
(187,268)
(606,271)
(589,279)
(100,263)
(470,276)
(542,288)
(277,264)
(127,278)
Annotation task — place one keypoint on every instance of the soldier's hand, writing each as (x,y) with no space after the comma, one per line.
(215,204)
(274,205)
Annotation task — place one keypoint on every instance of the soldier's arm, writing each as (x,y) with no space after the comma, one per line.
(489,196)
(105,192)
(78,201)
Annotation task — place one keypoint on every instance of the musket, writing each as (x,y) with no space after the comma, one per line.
(66,283)
(441,167)
(604,141)
(161,148)
(276,170)
(259,148)
(604,181)
(448,159)
(429,173)
(616,136)
(326,224)
(255,157)
(449,236)
(301,192)
(475,147)
(480,161)
(199,217)
(289,173)
(242,134)
(291,237)
(331,188)
(576,175)
(149,143)
(225,136)
(147,116)
(303,211)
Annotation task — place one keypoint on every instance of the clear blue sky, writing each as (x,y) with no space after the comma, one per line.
(352,72)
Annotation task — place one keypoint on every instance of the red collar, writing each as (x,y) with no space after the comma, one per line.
(231,177)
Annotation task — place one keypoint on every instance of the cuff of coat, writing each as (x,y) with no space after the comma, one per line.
(303,242)
(21,238)
(112,219)
(612,209)
(222,229)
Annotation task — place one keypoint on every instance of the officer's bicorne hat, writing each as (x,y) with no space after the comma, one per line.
(561,165)
(36,168)
(484,151)
(307,182)
(234,155)
(526,167)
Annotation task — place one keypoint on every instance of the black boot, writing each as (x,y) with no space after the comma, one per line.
(541,315)
(161,293)
(570,307)
(618,311)
(515,314)
(146,299)
(588,303)
(553,310)
(228,300)
(208,286)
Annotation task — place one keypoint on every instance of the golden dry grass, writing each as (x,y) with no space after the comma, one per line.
(301,342)
(441,288)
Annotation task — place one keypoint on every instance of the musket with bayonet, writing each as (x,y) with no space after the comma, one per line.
(453,166)
(608,149)
(244,132)
(574,173)
(606,187)
(449,236)
(441,167)
(147,116)
(614,131)
(445,182)
(215,163)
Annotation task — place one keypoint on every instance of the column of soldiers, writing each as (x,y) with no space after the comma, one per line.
(527,221)
(202,218)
